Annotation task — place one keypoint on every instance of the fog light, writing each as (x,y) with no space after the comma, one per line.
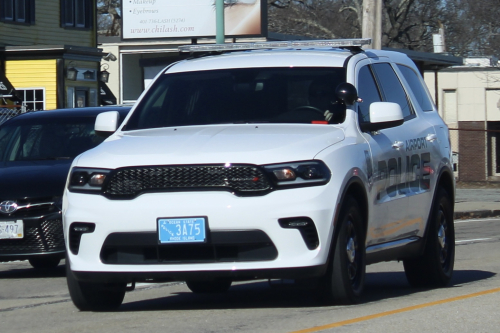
(297,224)
(305,226)
(81,229)
(76,230)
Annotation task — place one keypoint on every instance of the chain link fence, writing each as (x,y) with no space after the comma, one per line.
(7,112)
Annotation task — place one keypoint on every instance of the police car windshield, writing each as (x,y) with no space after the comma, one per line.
(248,95)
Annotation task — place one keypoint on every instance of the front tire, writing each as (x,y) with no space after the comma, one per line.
(44,263)
(209,286)
(89,296)
(345,277)
(435,267)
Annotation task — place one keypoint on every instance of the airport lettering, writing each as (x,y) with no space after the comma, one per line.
(414,144)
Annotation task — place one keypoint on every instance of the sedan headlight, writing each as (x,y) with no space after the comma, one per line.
(87,180)
(298,174)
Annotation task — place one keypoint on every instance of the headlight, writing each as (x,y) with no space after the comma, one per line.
(87,180)
(297,174)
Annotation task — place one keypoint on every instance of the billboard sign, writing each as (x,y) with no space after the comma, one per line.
(191,18)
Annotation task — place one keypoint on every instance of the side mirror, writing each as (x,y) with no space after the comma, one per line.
(347,93)
(107,123)
(383,115)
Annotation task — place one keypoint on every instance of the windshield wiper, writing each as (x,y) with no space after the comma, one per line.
(242,122)
(51,158)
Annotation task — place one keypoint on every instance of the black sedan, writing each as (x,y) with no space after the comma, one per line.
(36,151)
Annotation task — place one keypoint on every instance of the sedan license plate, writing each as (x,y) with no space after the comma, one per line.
(11,229)
(181,230)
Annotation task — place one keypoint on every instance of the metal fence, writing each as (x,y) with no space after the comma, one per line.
(8,112)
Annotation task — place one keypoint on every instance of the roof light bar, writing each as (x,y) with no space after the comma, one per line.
(337,43)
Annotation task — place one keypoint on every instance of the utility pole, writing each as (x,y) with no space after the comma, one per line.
(372,22)
(219,20)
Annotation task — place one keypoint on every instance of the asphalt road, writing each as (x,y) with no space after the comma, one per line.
(39,302)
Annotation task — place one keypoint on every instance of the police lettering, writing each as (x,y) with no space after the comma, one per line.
(415,178)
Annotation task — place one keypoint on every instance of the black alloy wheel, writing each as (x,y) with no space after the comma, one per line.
(87,296)
(344,280)
(435,267)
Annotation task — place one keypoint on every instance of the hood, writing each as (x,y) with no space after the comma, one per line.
(248,143)
(32,179)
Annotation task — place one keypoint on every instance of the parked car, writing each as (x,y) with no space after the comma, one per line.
(273,160)
(36,151)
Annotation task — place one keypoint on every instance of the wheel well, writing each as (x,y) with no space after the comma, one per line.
(446,182)
(357,191)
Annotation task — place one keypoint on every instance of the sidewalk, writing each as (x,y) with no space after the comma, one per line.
(477,203)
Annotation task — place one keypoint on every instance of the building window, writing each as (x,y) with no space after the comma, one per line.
(80,97)
(76,14)
(34,98)
(18,11)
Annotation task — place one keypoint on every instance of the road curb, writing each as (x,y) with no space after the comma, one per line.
(476,214)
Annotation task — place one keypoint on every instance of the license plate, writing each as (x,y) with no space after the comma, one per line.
(181,230)
(11,229)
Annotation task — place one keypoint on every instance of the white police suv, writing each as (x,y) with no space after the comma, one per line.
(296,160)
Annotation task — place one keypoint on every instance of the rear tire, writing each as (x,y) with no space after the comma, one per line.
(435,267)
(89,296)
(209,287)
(345,277)
(43,263)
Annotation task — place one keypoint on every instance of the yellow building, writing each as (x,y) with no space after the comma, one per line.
(48,53)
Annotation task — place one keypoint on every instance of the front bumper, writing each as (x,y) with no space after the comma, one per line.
(263,249)
(43,235)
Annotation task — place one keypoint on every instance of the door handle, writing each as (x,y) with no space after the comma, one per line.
(431,137)
(398,145)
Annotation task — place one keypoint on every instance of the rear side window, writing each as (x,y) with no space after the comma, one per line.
(392,89)
(419,91)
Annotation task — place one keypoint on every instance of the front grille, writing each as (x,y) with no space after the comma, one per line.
(224,246)
(39,237)
(241,179)
(33,207)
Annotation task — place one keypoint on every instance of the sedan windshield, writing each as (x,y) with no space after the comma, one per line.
(47,139)
(248,95)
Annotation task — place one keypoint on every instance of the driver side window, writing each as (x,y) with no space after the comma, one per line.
(368,92)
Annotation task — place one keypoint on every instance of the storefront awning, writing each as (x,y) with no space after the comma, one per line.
(7,91)
(106,97)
